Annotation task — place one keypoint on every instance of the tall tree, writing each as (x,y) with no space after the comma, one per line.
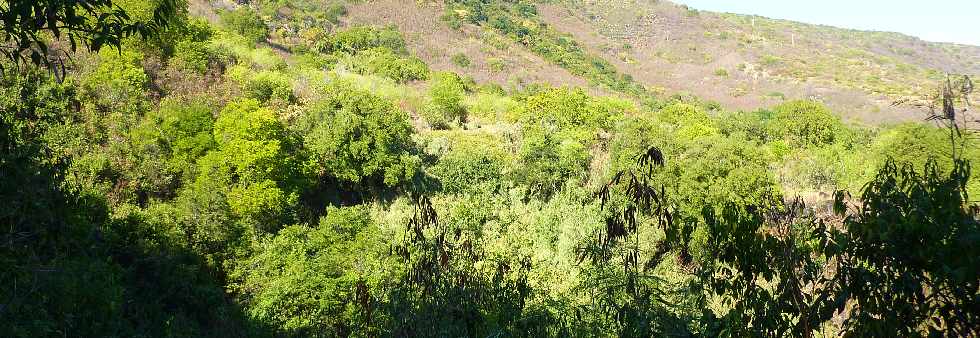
(28,27)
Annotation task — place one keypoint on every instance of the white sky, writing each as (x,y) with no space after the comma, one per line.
(934,20)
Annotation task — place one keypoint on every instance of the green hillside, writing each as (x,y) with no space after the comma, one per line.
(475,168)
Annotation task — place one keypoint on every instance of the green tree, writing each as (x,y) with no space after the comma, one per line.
(908,254)
(452,287)
(546,162)
(247,185)
(447,92)
(317,281)
(567,109)
(93,24)
(359,139)
(246,22)
(808,123)
(268,86)
(383,62)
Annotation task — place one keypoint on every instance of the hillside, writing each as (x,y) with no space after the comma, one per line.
(742,62)
(478,168)
(855,72)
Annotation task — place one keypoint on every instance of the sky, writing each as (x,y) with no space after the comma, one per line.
(933,20)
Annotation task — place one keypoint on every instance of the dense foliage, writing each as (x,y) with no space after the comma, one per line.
(228,186)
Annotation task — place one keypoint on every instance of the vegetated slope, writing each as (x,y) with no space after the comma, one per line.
(490,57)
(742,62)
(293,168)
(750,61)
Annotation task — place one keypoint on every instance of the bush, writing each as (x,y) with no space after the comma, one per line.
(717,172)
(307,280)
(490,105)
(497,64)
(265,59)
(473,163)
(362,38)
(181,131)
(254,171)
(383,62)
(747,125)
(359,138)
(689,121)
(268,86)
(436,117)
(447,92)
(452,19)
(545,162)
(246,22)
(633,136)
(461,60)
(571,111)
(119,79)
(808,123)
(192,55)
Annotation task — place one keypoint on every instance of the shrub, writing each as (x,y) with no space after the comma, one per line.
(689,121)
(268,86)
(461,60)
(248,183)
(490,105)
(359,138)
(361,38)
(747,125)
(333,12)
(546,162)
(496,64)
(119,78)
(807,123)
(265,59)
(569,110)
(451,19)
(246,22)
(447,92)
(182,130)
(436,117)
(383,62)
(324,265)
(633,136)
(192,55)
(721,72)
(718,172)
(473,163)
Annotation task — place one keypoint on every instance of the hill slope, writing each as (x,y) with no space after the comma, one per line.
(743,62)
